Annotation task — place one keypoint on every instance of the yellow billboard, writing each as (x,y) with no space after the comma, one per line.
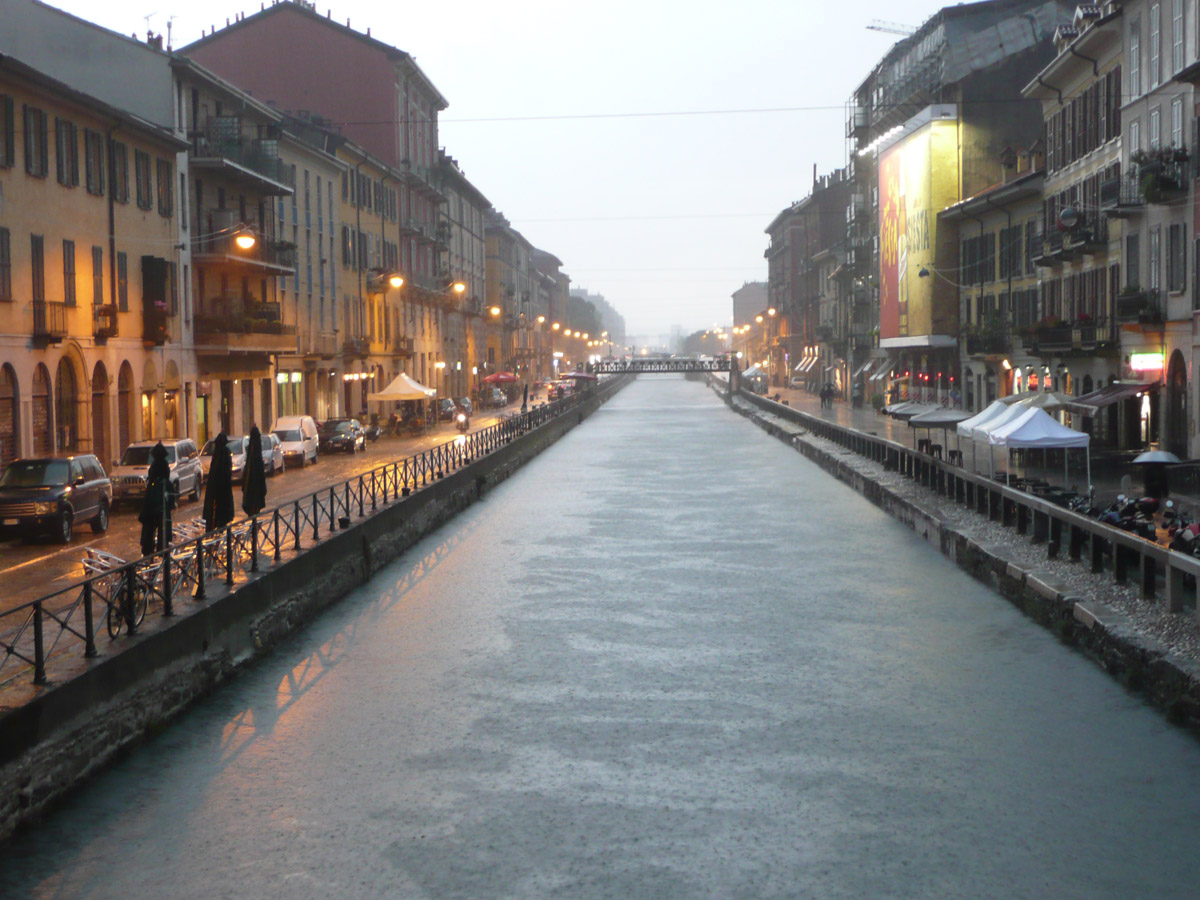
(918,178)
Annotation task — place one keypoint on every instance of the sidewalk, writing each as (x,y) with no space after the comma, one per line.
(1106,477)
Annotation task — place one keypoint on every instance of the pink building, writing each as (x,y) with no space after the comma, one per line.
(374,93)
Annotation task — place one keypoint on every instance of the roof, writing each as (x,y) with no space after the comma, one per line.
(45,82)
(1028,184)
(291,8)
(1090,404)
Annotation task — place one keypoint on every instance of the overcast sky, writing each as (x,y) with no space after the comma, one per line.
(662,214)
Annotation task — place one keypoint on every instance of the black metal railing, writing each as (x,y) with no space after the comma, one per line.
(70,621)
(1158,570)
(49,320)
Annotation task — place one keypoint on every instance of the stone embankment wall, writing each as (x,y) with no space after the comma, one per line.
(73,729)
(1142,664)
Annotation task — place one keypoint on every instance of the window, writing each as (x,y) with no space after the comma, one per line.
(66,152)
(1177,122)
(120,173)
(122,281)
(36,162)
(1177,257)
(141,175)
(1155,129)
(165,189)
(37,267)
(1153,76)
(69,273)
(1133,261)
(1135,59)
(93,161)
(1154,262)
(1135,136)
(1176,35)
(8,149)
(5,265)
(97,276)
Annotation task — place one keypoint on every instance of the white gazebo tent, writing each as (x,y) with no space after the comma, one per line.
(1035,428)
(975,428)
(403,388)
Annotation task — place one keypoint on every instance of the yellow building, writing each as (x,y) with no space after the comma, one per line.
(89,281)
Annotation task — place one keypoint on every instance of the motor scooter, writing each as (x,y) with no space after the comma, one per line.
(462,422)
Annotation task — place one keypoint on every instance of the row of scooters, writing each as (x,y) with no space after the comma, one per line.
(1137,515)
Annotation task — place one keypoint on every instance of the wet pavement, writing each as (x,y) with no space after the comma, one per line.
(668,658)
(34,568)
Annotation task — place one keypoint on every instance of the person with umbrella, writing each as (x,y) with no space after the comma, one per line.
(218,493)
(254,479)
(157,503)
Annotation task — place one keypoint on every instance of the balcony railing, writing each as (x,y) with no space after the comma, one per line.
(1055,338)
(1140,307)
(49,321)
(222,139)
(356,347)
(402,346)
(104,321)
(278,254)
(320,344)
(983,344)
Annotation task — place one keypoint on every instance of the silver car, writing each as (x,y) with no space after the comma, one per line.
(129,475)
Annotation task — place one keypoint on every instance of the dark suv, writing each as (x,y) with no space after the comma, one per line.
(52,494)
(341,434)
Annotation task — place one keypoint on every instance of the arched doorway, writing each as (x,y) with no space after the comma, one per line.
(43,437)
(10,421)
(149,401)
(1176,411)
(124,406)
(66,407)
(101,440)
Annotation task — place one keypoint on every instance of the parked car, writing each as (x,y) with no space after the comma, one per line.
(446,409)
(129,475)
(342,434)
(797,382)
(465,404)
(493,398)
(273,460)
(297,437)
(237,449)
(49,495)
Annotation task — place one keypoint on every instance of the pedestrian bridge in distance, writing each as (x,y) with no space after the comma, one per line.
(648,365)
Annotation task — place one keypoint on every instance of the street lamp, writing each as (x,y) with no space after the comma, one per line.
(244,238)
(396,280)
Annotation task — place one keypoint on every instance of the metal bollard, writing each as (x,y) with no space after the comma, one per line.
(89,625)
(228,556)
(199,595)
(168,587)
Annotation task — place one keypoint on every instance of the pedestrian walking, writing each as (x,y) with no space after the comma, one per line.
(254,479)
(157,503)
(218,493)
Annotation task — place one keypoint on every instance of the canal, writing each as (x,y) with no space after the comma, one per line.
(669,658)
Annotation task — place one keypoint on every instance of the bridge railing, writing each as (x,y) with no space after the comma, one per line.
(116,593)
(1101,546)
(660,365)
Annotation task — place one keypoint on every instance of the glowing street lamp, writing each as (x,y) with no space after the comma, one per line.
(458,287)
(495,310)
(396,281)
(245,239)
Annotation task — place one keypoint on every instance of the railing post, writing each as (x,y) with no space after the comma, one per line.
(254,544)
(168,586)
(1148,577)
(39,646)
(1055,541)
(1098,553)
(296,526)
(199,595)
(130,588)
(332,510)
(228,556)
(275,524)
(1120,572)
(316,518)
(1075,546)
(89,625)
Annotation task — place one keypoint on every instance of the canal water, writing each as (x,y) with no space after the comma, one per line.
(668,659)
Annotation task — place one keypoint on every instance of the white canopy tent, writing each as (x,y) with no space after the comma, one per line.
(403,388)
(1037,429)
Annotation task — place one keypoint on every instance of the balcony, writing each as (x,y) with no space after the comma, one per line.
(988,343)
(267,256)
(220,147)
(319,345)
(1119,197)
(104,321)
(402,347)
(243,328)
(356,348)
(1161,174)
(1048,249)
(1138,306)
(1055,338)
(49,322)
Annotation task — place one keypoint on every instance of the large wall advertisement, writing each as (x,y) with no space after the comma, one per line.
(918,178)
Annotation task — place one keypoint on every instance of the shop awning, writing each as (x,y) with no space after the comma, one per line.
(883,371)
(1090,404)
(870,362)
(806,364)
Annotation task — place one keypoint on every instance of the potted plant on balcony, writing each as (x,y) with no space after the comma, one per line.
(1160,172)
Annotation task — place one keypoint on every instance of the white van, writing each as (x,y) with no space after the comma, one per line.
(297,438)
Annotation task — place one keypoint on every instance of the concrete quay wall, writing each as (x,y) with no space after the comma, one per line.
(1143,665)
(73,729)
